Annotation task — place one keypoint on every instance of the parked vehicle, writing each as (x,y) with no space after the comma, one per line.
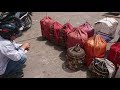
(21,19)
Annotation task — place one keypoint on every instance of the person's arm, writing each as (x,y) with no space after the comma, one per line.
(25,46)
(12,53)
(17,45)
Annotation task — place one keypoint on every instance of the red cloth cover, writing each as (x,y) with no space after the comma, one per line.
(76,36)
(88,28)
(46,23)
(114,54)
(57,26)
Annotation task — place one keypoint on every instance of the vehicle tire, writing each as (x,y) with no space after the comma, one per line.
(27,22)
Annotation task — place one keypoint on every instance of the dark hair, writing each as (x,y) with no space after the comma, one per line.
(9,30)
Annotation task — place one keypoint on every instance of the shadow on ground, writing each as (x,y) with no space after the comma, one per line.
(56,47)
(65,68)
(111,13)
(106,54)
(88,74)
(62,55)
(59,48)
(40,38)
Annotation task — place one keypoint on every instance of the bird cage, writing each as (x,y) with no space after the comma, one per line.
(106,28)
(75,57)
(101,68)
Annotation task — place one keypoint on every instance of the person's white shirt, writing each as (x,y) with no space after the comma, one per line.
(9,51)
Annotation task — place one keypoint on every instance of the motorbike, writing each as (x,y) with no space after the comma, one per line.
(21,19)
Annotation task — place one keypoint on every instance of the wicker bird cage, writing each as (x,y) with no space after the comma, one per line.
(75,57)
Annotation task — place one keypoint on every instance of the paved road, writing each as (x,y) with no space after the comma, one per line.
(46,60)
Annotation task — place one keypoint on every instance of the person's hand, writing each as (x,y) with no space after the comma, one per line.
(25,46)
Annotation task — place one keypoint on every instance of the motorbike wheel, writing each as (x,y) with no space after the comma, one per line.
(27,22)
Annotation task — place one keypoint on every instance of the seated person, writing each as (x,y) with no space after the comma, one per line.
(12,55)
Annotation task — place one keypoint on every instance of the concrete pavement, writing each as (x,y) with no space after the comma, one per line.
(46,60)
